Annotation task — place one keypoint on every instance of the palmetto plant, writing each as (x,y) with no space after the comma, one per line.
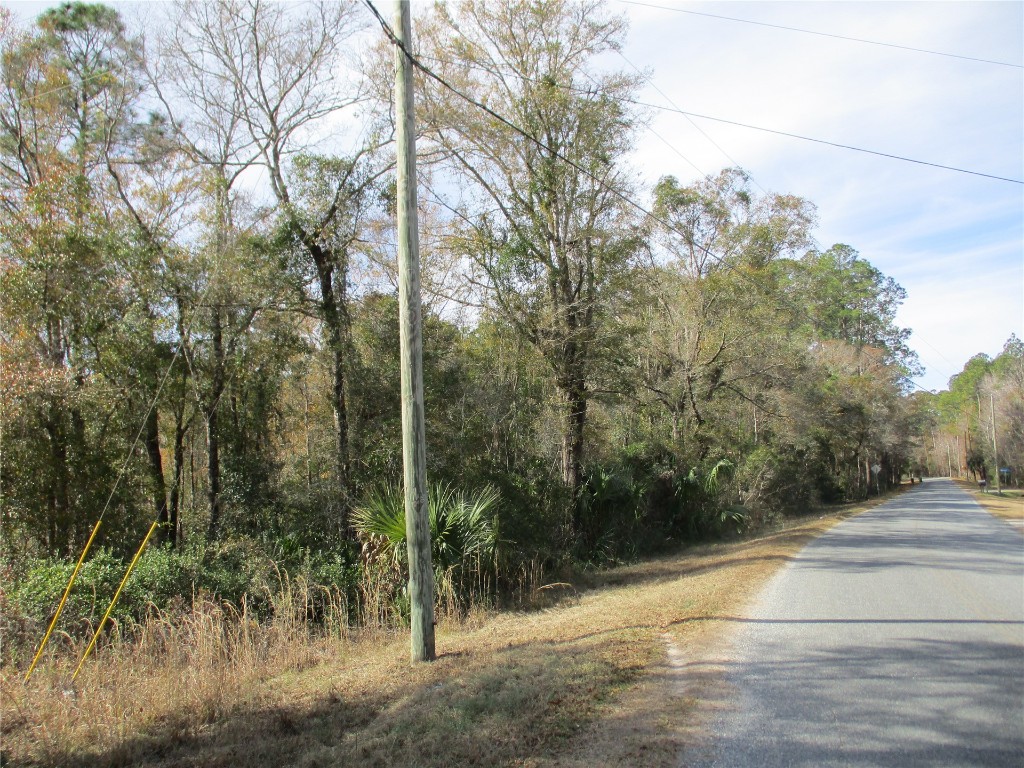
(462,525)
(700,490)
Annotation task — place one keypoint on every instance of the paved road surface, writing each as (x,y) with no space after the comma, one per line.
(896,639)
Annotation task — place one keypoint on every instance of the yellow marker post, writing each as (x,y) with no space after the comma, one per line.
(63,601)
(113,602)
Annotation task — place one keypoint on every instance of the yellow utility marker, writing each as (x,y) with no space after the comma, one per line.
(113,602)
(63,601)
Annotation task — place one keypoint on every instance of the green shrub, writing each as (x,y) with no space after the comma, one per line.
(611,511)
(463,525)
(778,479)
(38,593)
(167,580)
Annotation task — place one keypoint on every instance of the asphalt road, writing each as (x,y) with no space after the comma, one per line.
(896,639)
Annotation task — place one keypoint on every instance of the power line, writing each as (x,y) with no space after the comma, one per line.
(826,142)
(700,130)
(572,89)
(671,146)
(936,351)
(826,34)
(686,113)
(521,132)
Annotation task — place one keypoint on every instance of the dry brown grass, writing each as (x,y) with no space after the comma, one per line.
(1009,504)
(590,680)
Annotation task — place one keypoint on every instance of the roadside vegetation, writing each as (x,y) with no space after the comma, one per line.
(975,429)
(577,671)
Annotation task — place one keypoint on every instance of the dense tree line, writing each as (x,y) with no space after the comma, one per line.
(199,324)
(977,425)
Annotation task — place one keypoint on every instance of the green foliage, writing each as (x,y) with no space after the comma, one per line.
(705,508)
(463,524)
(612,508)
(30,605)
(978,423)
(167,580)
(850,300)
(381,515)
(38,592)
(714,476)
(778,479)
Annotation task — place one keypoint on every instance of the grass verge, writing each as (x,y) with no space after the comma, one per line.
(587,681)
(1008,504)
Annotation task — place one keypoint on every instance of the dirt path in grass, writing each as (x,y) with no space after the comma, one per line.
(609,675)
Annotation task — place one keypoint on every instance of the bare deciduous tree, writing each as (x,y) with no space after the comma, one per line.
(264,82)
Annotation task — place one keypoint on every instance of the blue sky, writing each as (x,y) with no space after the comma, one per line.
(954,241)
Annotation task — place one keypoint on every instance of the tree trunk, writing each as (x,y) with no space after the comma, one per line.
(59,500)
(179,465)
(332,312)
(213,427)
(574,393)
(156,474)
(309,444)
(213,471)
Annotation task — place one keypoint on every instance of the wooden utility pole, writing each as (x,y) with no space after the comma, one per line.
(414,449)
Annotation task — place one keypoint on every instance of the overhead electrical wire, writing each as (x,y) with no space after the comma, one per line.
(670,146)
(690,162)
(829,143)
(416,62)
(688,114)
(690,120)
(825,34)
(936,351)
(624,198)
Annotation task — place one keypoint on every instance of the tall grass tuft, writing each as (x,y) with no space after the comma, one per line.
(195,663)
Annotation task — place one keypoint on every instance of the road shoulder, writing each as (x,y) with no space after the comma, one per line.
(1008,505)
